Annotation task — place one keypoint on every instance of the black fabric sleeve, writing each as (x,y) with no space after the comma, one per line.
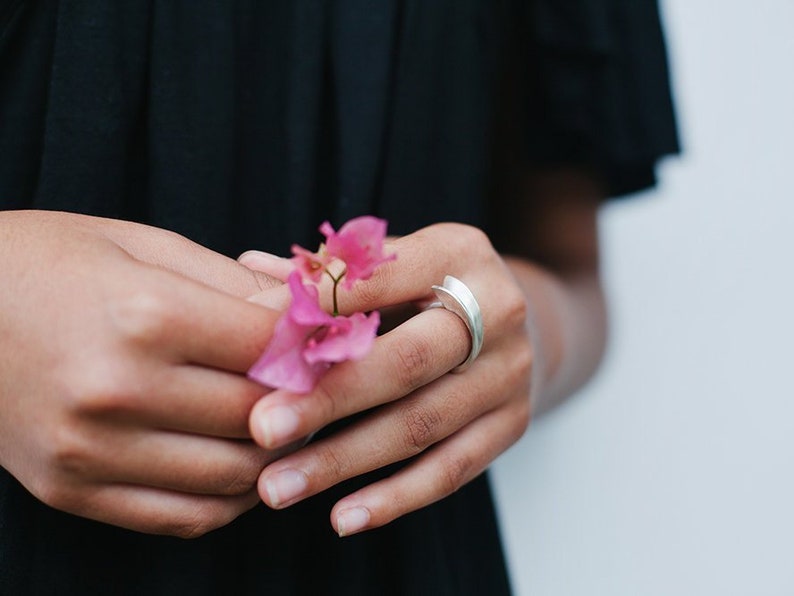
(598,90)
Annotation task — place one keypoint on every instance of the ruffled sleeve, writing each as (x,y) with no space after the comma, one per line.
(599,92)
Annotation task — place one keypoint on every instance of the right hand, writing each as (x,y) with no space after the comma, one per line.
(122,397)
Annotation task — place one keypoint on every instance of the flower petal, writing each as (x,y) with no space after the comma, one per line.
(349,341)
(282,365)
(310,264)
(305,306)
(359,243)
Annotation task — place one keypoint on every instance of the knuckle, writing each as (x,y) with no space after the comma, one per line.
(472,236)
(332,461)
(142,315)
(263,281)
(456,471)
(369,294)
(466,238)
(69,452)
(421,425)
(191,532)
(522,363)
(517,308)
(413,356)
(107,388)
(66,464)
(242,478)
(51,490)
(325,401)
(196,522)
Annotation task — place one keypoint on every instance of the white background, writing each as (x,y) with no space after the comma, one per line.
(673,472)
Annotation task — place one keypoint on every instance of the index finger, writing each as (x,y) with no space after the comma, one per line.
(423,259)
(190,322)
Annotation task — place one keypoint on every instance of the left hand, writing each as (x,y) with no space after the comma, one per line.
(453,424)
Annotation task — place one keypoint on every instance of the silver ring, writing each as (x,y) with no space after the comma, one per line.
(456,297)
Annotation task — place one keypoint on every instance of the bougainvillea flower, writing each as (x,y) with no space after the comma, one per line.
(349,338)
(359,243)
(311,264)
(307,340)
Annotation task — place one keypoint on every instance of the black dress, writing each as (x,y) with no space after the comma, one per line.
(245,124)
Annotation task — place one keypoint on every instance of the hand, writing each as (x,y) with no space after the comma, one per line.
(452,424)
(121,393)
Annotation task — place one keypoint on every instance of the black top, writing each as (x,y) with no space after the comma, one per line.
(243,125)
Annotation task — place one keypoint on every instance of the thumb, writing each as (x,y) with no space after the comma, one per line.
(267,263)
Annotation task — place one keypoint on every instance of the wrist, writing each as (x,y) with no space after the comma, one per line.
(566,325)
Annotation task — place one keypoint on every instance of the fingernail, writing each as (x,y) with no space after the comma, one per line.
(285,486)
(252,257)
(278,425)
(350,521)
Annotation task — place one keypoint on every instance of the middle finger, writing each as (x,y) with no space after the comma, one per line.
(414,354)
(395,432)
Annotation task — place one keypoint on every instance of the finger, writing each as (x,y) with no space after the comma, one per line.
(157,511)
(419,351)
(276,298)
(184,398)
(434,475)
(272,265)
(423,259)
(265,262)
(392,317)
(181,462)
(392,433)
(176,253)
(208,402)
(191,322)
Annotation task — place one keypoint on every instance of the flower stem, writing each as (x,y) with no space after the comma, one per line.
(336,279)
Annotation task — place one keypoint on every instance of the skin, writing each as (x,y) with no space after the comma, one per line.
(124,349)
(121,390)
(545,330)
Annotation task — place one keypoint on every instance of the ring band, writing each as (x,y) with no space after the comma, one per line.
(456,297)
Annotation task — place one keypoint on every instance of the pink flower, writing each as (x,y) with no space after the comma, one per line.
(348,338)
(359,243)
(307,340)
(311,264)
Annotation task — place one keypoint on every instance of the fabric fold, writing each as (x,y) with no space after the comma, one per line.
(362,52)
(599,92)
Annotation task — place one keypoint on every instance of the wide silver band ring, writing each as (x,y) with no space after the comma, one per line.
(456,297)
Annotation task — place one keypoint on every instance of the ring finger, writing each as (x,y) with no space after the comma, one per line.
(395,432)
(419,351)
